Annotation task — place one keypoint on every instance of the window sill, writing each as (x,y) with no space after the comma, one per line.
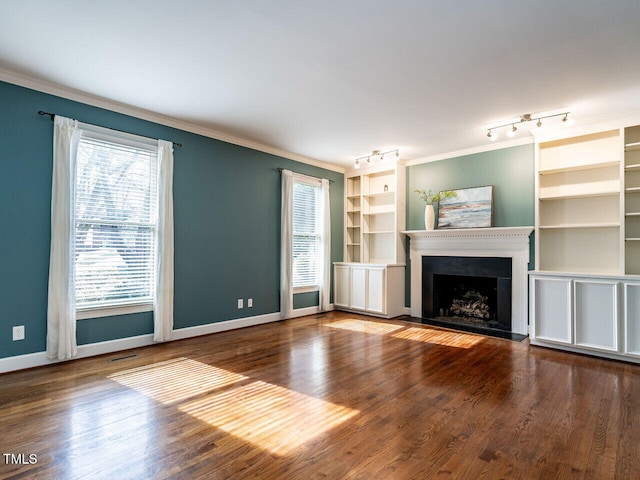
(113,311)
(314,288)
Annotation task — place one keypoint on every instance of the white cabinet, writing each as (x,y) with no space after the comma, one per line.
(551,307)
(369,288)
(342,284)
(632,319)
(358,287)
(583,313)
(596,314)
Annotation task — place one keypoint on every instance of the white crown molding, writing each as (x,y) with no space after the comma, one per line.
(100,102)
(470,151)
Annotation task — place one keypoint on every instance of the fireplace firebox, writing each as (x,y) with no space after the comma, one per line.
(474,292)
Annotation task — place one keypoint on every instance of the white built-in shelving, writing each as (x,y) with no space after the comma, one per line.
(632,199)
(578,212)
(371,278)
(585,292)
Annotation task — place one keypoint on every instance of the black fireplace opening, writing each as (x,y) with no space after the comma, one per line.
(471,292)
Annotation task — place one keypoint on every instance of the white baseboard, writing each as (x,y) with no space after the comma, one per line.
(38,359)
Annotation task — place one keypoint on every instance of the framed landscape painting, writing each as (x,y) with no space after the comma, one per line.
(470,208)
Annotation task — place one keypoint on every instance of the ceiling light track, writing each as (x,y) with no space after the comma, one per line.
(377,154)
(527,117)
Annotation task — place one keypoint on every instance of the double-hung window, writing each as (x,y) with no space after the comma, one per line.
(116,212)
(306,235)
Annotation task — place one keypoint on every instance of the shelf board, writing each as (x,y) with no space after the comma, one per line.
(354,226)
(378,194)
(576,168)
(632,239)
(632,189)
(629,147)
(379,232)
(583,195)
(635,166)
(353,211)
(379,213)
(353,244)
(632,214)
(356,195)
(580,225)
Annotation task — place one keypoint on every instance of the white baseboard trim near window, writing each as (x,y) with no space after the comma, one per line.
(38,359)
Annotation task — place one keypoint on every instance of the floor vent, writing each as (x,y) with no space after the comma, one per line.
(123,358)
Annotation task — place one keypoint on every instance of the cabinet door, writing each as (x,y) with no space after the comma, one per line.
(341,286)
(359,287)
(552,309)
(377,290)
(596,314)
(632,318)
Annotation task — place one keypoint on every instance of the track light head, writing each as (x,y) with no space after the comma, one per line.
(357,164)
(539,124)
(492,135)
(512,132)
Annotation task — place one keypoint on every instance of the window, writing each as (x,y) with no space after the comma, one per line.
(306,237)
(116,207)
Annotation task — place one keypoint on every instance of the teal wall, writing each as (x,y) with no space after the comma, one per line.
(509,170)
(227,223)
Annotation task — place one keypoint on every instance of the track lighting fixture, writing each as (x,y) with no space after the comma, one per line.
(377,153)
(527,117)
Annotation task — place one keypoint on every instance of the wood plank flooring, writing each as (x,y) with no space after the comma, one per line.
(335,396)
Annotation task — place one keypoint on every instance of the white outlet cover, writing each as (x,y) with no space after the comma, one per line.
(240,303)
(250,302)
(18,333)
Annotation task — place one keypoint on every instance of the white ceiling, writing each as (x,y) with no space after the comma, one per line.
(333,80)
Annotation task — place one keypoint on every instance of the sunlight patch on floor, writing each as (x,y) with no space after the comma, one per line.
(175,380)
(364,326)
(269,416)
(440,337)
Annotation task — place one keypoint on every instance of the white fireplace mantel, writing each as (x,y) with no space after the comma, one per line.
(509,242)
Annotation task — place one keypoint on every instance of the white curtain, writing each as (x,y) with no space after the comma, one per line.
(61,308)
(325,249)
(286,240)
(163,305)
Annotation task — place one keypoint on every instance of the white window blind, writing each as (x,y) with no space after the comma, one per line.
(116,215)
(306,235)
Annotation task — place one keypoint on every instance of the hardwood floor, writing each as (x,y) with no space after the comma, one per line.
(335,396)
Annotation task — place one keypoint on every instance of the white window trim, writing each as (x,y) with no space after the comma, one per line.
(113,310)
(135,141)
(314,182)
(307,289)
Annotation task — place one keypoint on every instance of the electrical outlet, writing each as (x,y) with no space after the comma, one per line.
(18,333)
(250,302)
(240,303)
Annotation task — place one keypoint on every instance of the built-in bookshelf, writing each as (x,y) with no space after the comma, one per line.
(632,199)
(375,215)
(579,203)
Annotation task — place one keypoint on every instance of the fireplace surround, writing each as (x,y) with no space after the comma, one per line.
(500,242)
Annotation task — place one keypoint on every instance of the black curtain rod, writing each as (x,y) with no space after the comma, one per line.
(280,169)
(52,116)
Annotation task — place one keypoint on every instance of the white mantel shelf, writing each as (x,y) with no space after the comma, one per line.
(471,232)
(509,242)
